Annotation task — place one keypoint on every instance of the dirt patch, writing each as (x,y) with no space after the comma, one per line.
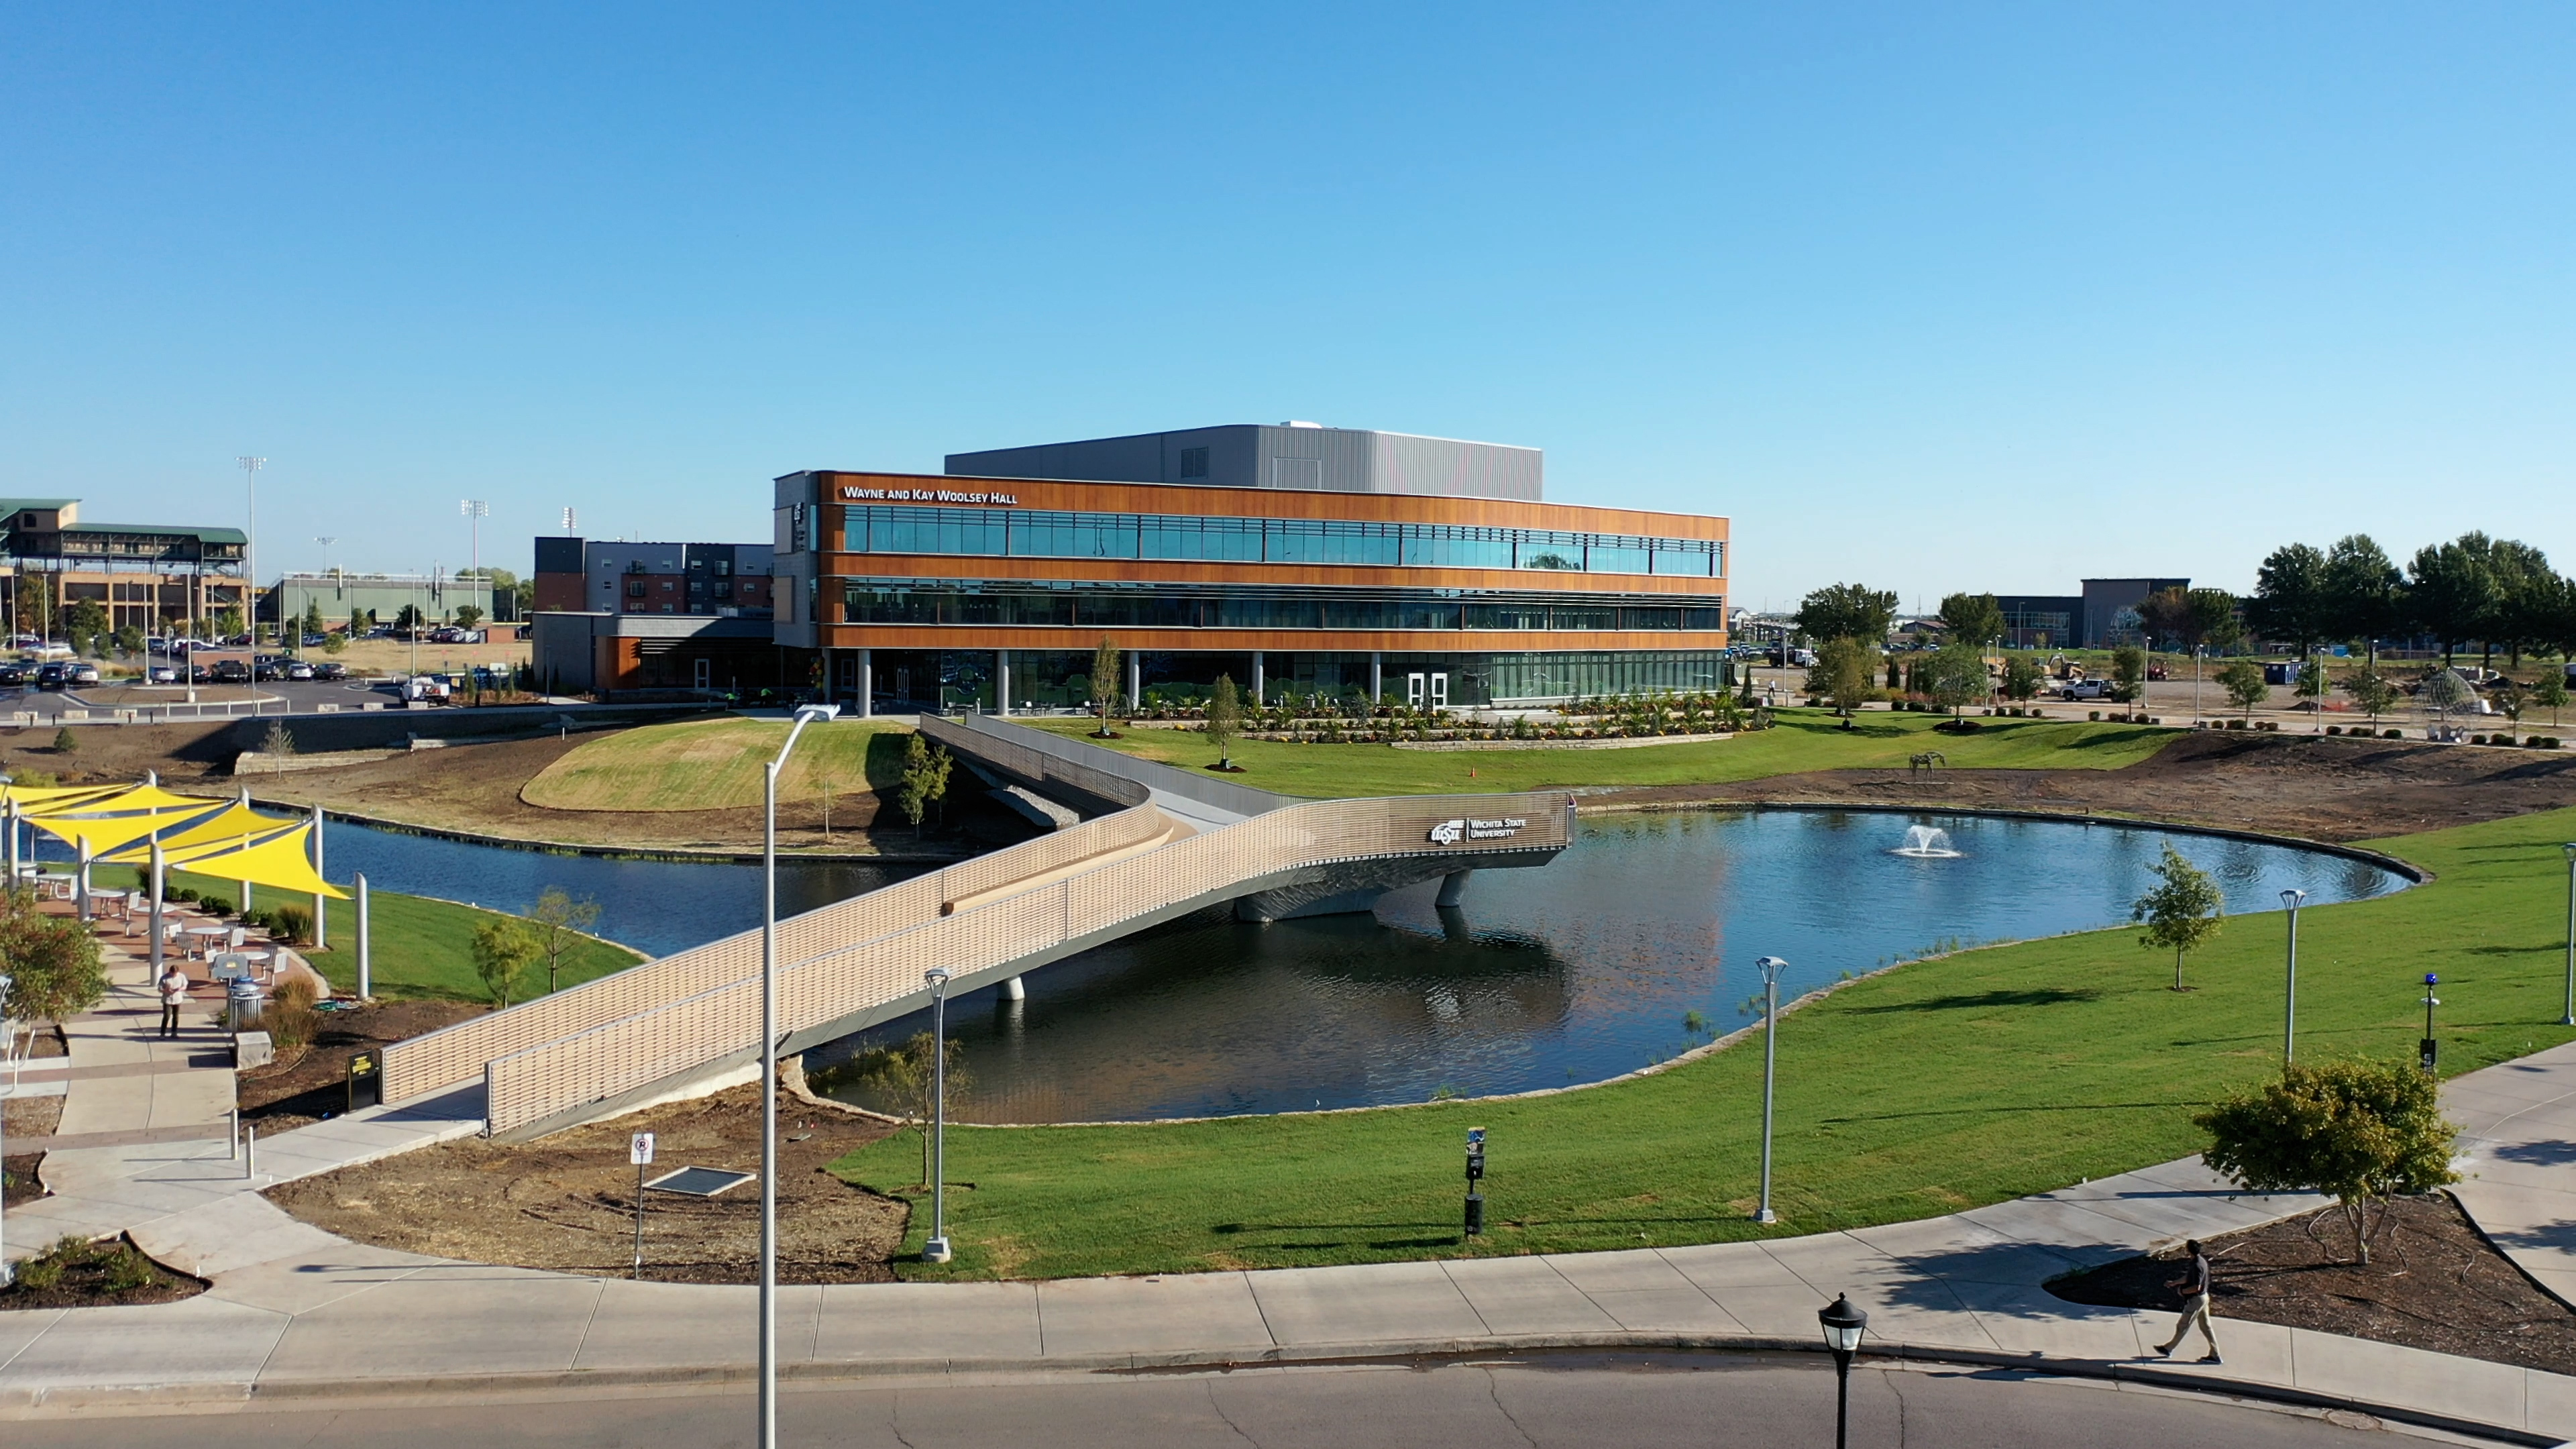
(28,1118)
(310,1083)
(2321,787)
(2434,1282)
(567,1202)
(78,1273)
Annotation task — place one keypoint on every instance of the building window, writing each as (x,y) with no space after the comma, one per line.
(1194,462)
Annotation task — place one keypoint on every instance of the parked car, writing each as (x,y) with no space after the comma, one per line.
(11,674)
(51,676)
(2086,689)
(316,641)
(298,669)
(82,674)
(231,671)
(330,669)
(161,674)
(266,669)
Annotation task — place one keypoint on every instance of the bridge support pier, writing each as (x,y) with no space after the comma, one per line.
(1012,990)
(1453,889)
(1135,680)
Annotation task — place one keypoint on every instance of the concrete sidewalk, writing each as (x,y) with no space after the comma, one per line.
(2518,1161)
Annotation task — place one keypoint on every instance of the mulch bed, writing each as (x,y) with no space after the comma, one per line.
(78,1273)
(2434,1282)
(307,1084)
(28,1118)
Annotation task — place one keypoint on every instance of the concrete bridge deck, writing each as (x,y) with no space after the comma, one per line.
(1164,844)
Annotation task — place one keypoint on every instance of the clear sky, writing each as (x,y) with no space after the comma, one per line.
(1928,296)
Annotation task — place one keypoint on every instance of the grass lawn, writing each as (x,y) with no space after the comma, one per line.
(422,948)
(714,763)
(1938,1086)
(1803,740)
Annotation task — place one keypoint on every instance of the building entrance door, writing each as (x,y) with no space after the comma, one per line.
(1413,690)
(1440,691)
(704,671)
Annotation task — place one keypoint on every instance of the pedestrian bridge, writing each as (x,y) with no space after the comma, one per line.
(1164,842)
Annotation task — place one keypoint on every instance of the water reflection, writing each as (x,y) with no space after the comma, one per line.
(1575,972)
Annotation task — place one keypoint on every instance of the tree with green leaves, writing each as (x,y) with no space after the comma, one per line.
(2356,1131)
(2183,913)
(2526,589)
(1842,675)
(52,962)
(360,621)
(2451,590)
(1846,611)
(1225,719)
(65,741)
(313,622)
(2289,601)
(2551,694)
(228,621)
(2243,681)
(2371,692)
(924,779)
(1104,684)
(468,615)
(128,640)
(905,1080)
(86,624)
(2313,686)
(2365,594)
(2128,674)
(2022,679)
(560,924)
(1955,676)
(1972,618)
(409,619)
(503,949)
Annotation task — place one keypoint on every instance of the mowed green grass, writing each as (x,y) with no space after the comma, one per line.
(1936,1086)
(715,763)
(420,948)
(1802,740)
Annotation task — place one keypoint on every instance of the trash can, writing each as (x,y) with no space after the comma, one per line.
(244,1007)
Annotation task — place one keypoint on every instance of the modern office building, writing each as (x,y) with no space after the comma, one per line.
(2042,621)
(1291,559)
(147,576)
(719,580)
(2110,607)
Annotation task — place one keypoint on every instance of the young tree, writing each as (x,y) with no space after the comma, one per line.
(313,623)
(87,625)
(503,950)
(66,742)
(1955,676)
(2128,674)
(2356,1131)
(277,744)
(1972,618)
(904,1078)
(1104,683)
(334,643)
(2313,686)
(1842,674)
(1225,719)
(2183,913)
(2371,692)
(2243,681)
(228,621)
(52,962)
(560,924)
(468,615)
(923,781)
(1846,611)
(2290,596)
(2021,679)
(360,621)
(2551,694)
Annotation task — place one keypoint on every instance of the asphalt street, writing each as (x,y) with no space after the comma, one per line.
(1589,1402)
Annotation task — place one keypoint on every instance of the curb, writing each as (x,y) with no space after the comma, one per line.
(218,1392)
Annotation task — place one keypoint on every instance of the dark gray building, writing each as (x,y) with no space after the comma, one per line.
(1307,456)
(2106,599)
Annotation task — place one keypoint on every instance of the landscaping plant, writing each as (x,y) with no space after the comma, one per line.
(504,948)
(2243,681)
(1224,720)
(560,923)
(52,961)
(2357,1131)
(1104,684)
(2183,913)
(924,779)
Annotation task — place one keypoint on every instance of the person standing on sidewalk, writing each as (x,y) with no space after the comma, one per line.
(174,994)
(2194,1284)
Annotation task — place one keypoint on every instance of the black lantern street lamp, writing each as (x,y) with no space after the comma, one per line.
(2427,1049)
(1843,1326)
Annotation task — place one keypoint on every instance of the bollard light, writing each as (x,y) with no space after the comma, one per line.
(1844,1325)
(2426,1050)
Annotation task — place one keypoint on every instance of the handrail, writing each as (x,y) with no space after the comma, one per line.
(816,988)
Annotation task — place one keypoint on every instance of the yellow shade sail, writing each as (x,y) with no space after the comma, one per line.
(30,798)
(105,833)
(224,828)
(279,861)
(120,802)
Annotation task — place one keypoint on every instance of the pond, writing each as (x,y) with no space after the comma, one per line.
(1573,972)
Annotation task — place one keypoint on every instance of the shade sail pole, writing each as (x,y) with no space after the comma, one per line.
(321,936)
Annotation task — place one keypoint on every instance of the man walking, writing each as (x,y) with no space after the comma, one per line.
(2194,1284)
(174,994)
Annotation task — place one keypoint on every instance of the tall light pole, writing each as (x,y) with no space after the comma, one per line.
(475,511)
(2569,1019)
(2290,901)
(1771,967)
(936,1249)
(250,557)
(8,1270)
(768,1436)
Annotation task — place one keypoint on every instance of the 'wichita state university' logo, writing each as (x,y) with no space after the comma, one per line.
(1450,832)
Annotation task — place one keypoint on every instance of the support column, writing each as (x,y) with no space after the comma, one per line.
(1258,684)
(831,680)
(867,684)
(1377,678)
(1135,681)
(1002,681)
(366,977)
(159,874)
(1012,990)
(1453,889)
(84,877)
(321,937)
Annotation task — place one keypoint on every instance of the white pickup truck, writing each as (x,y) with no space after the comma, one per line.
(2086,689)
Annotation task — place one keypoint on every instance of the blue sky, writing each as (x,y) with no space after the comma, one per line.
(1933,297)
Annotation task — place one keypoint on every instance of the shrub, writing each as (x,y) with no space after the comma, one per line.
(292,924)
(128,1269)
(291,1016)
(2357,1131)
(2334,729)
(65,742)
(2392,734)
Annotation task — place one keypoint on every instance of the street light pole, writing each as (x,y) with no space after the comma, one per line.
(1844,1325)
(2569,1019)
(250,555)
(768,1434)
(2290,901)
(1771,967)
(475,511)
(936,1249)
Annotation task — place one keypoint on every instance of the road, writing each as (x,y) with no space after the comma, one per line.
(1589,1401)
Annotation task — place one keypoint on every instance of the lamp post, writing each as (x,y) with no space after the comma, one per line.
(2569,1019)
(1771,967)
(2426,1049)
(8,1270)
(2290,901)
(768,1435)
(250,556)
(1844,1325)
(936,1250)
